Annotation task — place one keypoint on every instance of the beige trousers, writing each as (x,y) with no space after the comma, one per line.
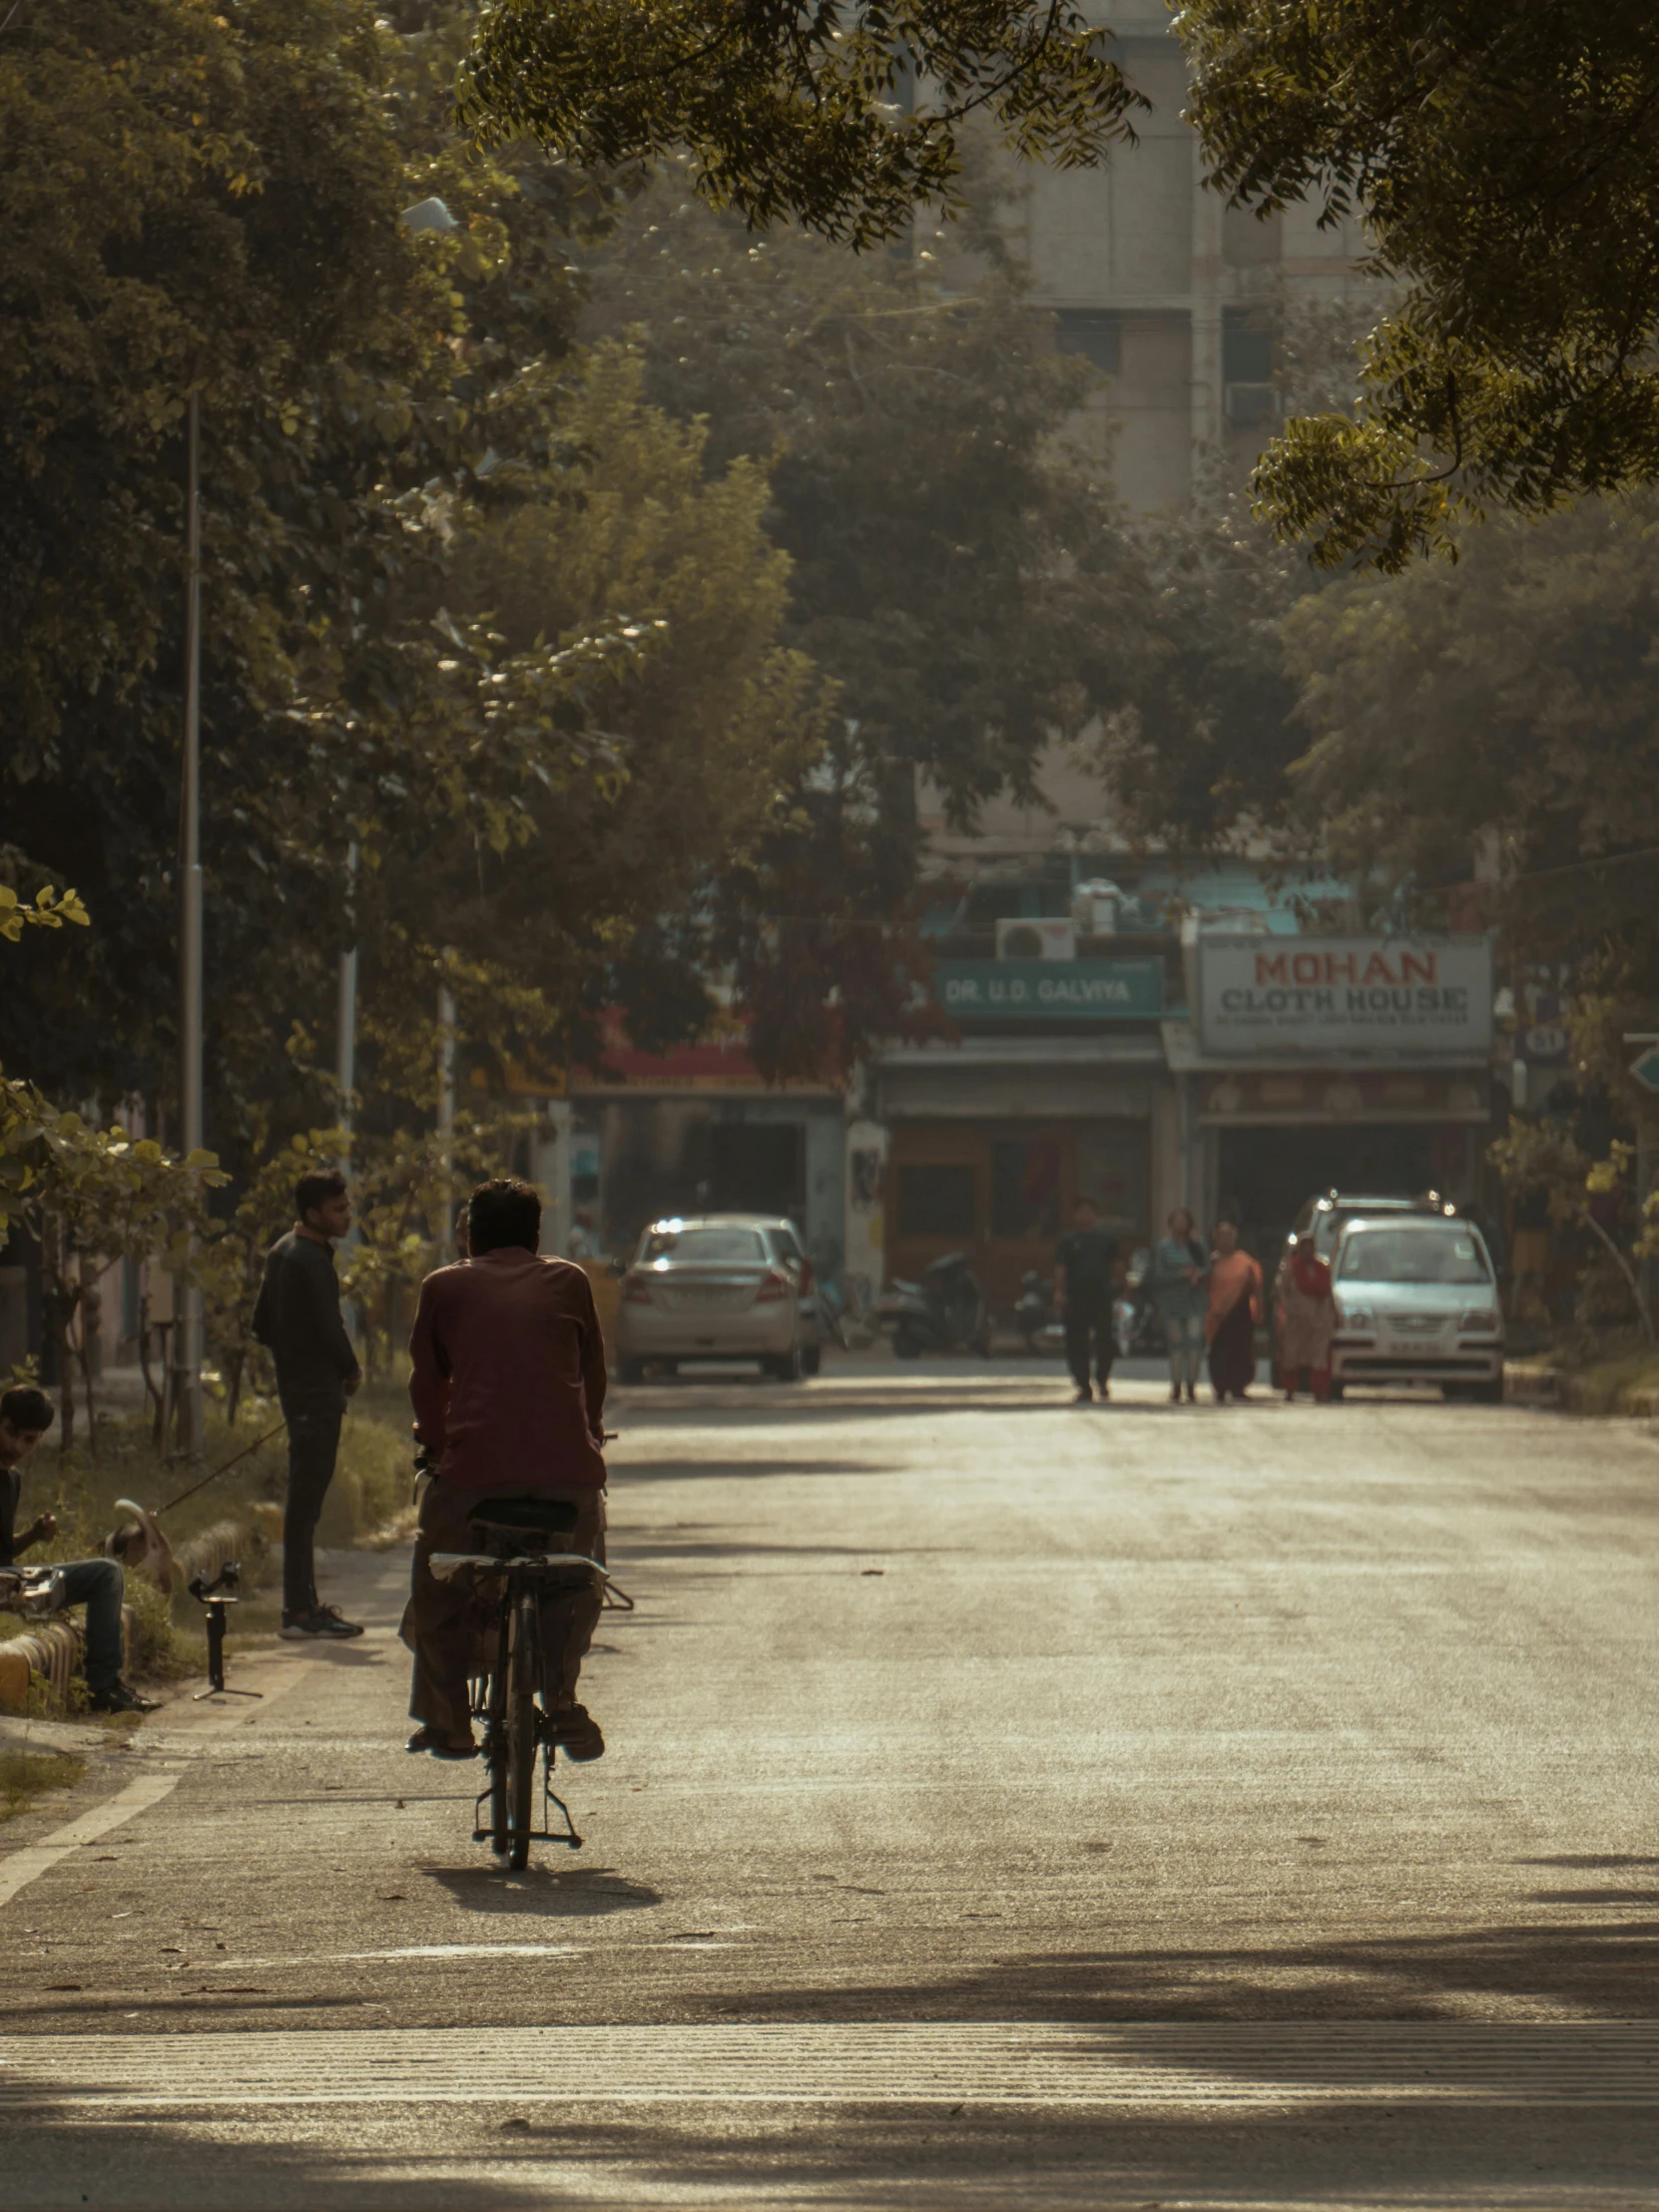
(450,1631)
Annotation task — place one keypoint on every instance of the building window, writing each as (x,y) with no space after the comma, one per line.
(936,1202)
(1095,332)
(1245,347)
(1025,1186)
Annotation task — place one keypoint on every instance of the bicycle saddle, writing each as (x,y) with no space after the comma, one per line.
(537,1517)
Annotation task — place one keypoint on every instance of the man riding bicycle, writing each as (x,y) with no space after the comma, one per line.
(508,1390)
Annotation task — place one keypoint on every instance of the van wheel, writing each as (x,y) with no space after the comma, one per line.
(1336,1389)
(812,1359)
(789,1367)
(631,1370)
(906,1344)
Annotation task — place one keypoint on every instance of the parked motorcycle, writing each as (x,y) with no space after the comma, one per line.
(945,1312)
(1041,1330)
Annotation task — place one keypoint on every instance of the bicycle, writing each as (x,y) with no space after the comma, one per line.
(513,1569)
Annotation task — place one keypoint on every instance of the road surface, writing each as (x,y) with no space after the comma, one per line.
(1007,1803)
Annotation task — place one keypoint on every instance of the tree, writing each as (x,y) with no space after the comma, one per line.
(959,569)
(86,1192)
(378,409)
(846,119)
(1596,1197)
(49,910)
(1504,711)
(1505,164)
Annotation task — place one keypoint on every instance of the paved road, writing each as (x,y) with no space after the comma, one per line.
(1007,1803)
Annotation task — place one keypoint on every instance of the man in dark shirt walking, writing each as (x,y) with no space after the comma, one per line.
(1086,1278)
(297,1319)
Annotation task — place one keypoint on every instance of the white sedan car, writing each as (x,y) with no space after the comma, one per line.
(719,1287)
(1416,1302)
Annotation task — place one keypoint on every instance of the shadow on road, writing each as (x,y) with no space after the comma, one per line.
(492,2157)
(1583,1969)
(545,1893)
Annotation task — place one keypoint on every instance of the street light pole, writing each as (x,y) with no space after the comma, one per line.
(345,1031)
(446,1105)
(187,1335)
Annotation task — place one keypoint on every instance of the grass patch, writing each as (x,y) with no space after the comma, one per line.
(370,1490)
(27,1775)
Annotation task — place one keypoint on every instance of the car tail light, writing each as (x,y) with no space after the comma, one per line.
(636,1292)
(773,1286)
(805,1275)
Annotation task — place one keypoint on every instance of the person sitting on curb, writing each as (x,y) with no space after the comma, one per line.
(98,1585)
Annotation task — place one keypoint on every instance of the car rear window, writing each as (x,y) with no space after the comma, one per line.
(1412,1256)
(699,1246)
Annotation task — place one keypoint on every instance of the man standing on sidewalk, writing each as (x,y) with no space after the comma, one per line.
(1086,1276)
(297,1319)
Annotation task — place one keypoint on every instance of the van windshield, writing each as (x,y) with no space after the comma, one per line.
(701,1246)
(1412,1256)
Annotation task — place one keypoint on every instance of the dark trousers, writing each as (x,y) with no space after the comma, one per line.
(447,1628)
(1089,1320)
(314,1442)
(99,1585)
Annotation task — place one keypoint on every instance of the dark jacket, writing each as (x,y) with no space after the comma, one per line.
(297,1317)
(11,1491)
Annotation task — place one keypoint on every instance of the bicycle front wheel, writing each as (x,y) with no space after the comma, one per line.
(521,1728)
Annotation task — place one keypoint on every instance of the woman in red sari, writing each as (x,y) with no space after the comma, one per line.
(1235,1308)
(1306,1320)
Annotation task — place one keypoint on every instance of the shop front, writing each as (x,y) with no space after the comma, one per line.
(1354,1063)
(1058,1090)
(699,1130)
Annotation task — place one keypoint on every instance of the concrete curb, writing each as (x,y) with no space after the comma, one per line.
(1530,1383)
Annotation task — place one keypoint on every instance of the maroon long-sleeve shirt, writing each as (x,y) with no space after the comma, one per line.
(509,1374)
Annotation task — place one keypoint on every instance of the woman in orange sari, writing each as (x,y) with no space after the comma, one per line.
(1235,1308)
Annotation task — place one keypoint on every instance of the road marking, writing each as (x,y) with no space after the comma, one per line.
(191,1721)
(406,1951)
(26,1866)
(850,2062)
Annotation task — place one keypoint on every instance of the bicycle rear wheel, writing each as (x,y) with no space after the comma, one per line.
(495,1740)
(521,1728)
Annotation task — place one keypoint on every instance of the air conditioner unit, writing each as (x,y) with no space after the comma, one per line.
(1019,939)
(1252,403)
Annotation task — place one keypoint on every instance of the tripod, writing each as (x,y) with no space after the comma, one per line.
(208,1594)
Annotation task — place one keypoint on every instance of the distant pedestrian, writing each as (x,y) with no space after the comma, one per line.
(1306,1320)
(1180,1280)
(1086,1275)
(1235,1308)
(297,1319)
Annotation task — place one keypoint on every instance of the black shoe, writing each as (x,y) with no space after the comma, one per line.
(1084,1397)
(321,1624)
(1175,1394)
(576,1733)
(120,1697)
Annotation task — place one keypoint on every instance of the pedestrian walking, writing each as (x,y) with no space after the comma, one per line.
(1180,1282)
(297,1319)
(1086,1275)
(1307,1319)
(1234,1310)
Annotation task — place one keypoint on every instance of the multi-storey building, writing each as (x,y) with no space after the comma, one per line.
(1167,290)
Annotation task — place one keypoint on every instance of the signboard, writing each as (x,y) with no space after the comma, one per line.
(1402,998)
(1646,1069)
(1051,990)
